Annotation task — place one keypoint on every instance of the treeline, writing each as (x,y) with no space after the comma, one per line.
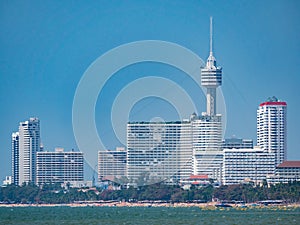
(53,193)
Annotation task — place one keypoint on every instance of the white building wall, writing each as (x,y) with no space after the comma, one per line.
(59,166)
(272,129)
(112,163)
(15,158)
(29,145)
(243,165)
(159,151)
(207,146)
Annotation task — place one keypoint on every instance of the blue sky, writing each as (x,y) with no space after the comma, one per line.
(46,46)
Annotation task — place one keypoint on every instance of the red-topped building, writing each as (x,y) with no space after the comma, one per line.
(272,128)
(289,164)
(288,171)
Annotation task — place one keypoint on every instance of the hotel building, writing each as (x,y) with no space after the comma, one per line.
(15,158)
(272,128)
(288,171)
(59,167)
(25,145)
(259,163)
(112,163)
(158,151)
(247,165)
(207,142)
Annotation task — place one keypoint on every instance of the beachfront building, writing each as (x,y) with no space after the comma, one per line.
(25,145)
(15,158)
(259,163)
(272,128)
(59,167)
(288,171)
(112,163)
(196,181)
(7,181)
(158,151)
(207,141)
(247,165)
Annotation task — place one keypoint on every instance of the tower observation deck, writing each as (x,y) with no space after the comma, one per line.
(211,78)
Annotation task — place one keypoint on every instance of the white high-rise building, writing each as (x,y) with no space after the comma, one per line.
(256,165)
(15,158)
(272,128)
(207,143)
(158,151)
(29,145)
(59,167)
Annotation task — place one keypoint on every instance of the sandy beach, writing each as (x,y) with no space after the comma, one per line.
(210,205)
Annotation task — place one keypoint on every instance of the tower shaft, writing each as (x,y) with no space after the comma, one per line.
(211,101)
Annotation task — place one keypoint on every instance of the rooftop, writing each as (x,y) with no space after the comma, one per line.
(289,164)
(198,177)
(273,103)
(157,122)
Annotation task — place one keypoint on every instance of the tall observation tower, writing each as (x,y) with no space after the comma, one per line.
(211,77)
(207,128)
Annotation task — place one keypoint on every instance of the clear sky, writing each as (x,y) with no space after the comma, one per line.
(46,46)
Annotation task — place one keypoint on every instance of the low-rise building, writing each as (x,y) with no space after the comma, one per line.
(195,180)
(7,181)
(288,171)
(247,165)
(112,163)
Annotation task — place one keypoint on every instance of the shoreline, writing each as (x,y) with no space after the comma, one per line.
(210,205)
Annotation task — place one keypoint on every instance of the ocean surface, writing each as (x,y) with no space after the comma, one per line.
(146,215)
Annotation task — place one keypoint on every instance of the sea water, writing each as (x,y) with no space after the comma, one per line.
(146,215)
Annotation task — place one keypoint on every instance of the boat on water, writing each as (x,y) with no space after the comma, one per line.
(223,205)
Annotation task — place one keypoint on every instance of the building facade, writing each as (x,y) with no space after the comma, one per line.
(288,171)
(247,165)
(15,158)
(25,145)
(7,181)
(158,151)
(207,143)
(112,163)
(59,167)
(237,143)
(272,128)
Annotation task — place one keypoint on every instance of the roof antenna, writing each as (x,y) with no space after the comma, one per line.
(211,35)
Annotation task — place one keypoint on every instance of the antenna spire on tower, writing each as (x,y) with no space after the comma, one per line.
(211,35)
(211,77)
